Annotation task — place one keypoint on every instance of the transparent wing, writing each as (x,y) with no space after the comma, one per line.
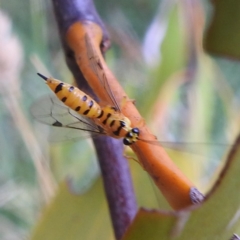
(199,148)
(51,111)
(97,68)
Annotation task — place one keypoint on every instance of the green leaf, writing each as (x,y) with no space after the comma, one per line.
(86,216)
(73,217)
(216,218)
(223,36)
(152,225)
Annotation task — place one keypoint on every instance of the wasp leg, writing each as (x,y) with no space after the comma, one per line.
(132,158)
(125,100)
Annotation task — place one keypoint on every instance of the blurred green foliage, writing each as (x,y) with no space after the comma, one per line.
(184,96)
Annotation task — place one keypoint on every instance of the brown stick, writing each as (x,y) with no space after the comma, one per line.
(115,172)
(170,180)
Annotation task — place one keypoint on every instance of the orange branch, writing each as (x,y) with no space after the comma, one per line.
(170,180)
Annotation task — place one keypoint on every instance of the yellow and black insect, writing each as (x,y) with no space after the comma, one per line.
(102,120)
(71,108)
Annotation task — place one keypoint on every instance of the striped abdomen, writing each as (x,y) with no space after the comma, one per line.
(115,123)
(74,98)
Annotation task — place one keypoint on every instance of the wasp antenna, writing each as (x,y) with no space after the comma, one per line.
(42,76)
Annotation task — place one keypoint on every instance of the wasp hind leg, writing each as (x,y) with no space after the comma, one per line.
(132,158)
(126,100)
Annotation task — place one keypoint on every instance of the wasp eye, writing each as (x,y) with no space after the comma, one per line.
(135,130)
(122,123)
(129,135)
(126,142)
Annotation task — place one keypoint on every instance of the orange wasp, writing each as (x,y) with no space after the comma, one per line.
(89,115)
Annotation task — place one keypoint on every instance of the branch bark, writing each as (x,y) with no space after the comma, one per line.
(114,167)
(175,186)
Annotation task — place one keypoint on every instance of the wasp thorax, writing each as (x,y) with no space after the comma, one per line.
(131,136)
(126,123)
